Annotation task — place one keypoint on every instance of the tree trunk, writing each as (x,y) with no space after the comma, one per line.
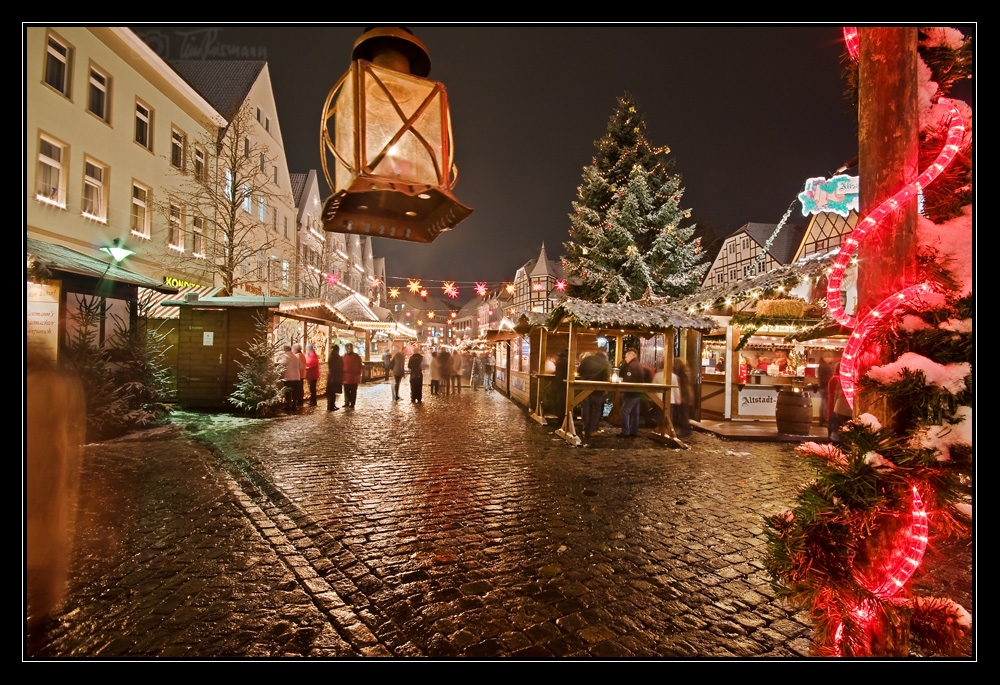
(888,147)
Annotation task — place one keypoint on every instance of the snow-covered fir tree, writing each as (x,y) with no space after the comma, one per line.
(626,235)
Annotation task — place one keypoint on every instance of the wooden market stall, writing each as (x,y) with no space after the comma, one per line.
(214,330)
(579,327)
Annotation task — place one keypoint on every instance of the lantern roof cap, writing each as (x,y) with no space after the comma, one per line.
(397,38)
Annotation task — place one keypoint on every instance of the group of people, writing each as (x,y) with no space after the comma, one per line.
(299,369)
(596,367)
(450,369)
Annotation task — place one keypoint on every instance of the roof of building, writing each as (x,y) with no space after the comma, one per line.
(224,83)
(298,182)
(785,244)
(657,313)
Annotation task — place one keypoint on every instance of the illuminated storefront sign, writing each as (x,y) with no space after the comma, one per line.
(838,195)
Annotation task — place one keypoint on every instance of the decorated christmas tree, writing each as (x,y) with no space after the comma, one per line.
(626,239)
(890,495)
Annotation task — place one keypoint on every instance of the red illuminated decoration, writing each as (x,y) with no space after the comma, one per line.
(956,131)
(413,286)
(376,282)
(560,285)
(853,348)
(848,368)
(332,279)
(423,294)
(538,287)
(449,289)
(892,575)
(481,289)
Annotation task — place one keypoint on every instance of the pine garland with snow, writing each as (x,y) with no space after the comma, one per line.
(626,235)
(849,522)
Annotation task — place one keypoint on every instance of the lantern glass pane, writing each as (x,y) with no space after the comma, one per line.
(408,159)
(343,127)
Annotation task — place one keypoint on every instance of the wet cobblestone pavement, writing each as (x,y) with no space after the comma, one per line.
(455,527)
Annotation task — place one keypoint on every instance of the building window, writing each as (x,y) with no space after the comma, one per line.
(263,163)
(262,209)
(175,228)
(50,184)
(144,125)
(99,95)
(229,184)
(246,147)
(200,166)
(178,143)
(276,175)
(94,190)
(274,220)
(267,124)
(140,210)
(247,199)
(286,226)
(58,65)
(198,236)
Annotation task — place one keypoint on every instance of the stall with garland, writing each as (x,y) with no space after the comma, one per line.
(663,331)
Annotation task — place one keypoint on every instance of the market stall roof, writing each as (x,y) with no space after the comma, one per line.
(654,313)
(59,258)
(152,301)
(314,310)
(704,298)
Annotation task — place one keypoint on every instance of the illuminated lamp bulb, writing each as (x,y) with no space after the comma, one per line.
(413,286)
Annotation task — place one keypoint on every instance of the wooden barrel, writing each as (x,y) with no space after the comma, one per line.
(793,413)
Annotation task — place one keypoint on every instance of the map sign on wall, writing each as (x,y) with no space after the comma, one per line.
(838,195)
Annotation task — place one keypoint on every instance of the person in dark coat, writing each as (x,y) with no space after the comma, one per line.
(631,371)
(594,367)
(334,378)
(416,366)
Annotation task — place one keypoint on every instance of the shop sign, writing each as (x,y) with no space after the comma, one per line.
(838,195)
(42,318)
(759,401)
(174,282)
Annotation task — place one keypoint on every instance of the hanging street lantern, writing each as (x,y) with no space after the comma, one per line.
(386,143)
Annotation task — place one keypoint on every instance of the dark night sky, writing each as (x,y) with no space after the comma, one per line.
(749,113)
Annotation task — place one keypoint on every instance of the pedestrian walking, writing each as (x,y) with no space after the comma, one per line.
(352,375)
(447,364)
(416,366)
(681,399)
(398,367)
(312,372)
(491,367)
(291,377)
(631,371)
(435,373)
(300,392)
(594,367)
(334,378)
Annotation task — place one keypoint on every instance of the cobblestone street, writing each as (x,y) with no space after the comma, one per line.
(455,527)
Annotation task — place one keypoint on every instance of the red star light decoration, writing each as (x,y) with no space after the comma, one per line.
(449,289)
(560,284)
(423,293)
(376,282)
(332,279)
(481,289)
